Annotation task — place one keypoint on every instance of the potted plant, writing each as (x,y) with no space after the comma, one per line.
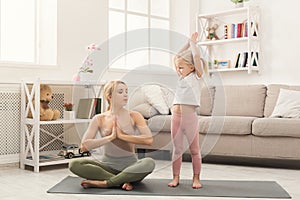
(68,112)
(86,68)
(68,106)
(239,3)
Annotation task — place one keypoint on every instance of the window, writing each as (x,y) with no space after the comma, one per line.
(128,15)
(28,32)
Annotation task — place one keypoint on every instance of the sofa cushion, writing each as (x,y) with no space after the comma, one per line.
(234,125)
(283,127)
(146,110)
(155,98)
(138,97)
(272,95)
(287,105)
(237,100)
(159,123)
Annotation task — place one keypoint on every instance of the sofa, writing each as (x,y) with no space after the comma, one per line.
(234,121)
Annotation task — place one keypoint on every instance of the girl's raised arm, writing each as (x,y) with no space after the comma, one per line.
(198,62)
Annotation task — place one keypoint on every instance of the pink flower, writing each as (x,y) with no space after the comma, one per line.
(88,62)
(68,106)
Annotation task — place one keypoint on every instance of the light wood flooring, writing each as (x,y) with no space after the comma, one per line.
(20,184)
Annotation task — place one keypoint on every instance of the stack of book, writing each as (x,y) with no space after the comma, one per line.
(238,30)
(88,107)
(241,60)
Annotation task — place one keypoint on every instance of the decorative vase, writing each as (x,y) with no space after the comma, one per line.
(86,77)
(76,77)
(239,4)
(69,114)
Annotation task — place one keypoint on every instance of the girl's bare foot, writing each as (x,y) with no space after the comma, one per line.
(127,186)
(196,182)
(93,183)
(174,182)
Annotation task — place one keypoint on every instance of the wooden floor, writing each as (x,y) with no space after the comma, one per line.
(20,184)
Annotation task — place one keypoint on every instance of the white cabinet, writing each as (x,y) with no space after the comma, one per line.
(238,32)
(37,138)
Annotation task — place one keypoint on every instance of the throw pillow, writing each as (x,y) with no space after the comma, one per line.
(288,104)
(155,98)
(146,110)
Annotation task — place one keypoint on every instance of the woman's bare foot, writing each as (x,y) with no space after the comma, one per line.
(127,186)
(196,182)
(93,183)
(174,182)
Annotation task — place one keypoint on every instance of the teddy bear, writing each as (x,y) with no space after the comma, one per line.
(46,113)
(211,32)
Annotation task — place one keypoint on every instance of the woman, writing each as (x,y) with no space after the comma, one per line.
(120,129)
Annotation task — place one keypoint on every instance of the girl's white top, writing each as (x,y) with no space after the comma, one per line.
(188,90)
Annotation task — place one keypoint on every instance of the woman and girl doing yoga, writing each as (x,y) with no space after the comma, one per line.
(118,130)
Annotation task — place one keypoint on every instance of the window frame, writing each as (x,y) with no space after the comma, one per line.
(37,41)
(149,16)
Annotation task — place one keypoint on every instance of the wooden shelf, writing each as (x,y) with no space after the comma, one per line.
(75,83)
(31,147)
(249,18)
(58,121)
(224,41)
(224,13)
(233,69)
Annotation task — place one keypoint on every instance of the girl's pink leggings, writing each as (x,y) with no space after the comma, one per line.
(186,124)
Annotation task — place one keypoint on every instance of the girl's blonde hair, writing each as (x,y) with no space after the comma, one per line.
(109,89)
(187,57)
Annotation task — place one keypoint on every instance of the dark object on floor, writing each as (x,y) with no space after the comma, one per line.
(158,187)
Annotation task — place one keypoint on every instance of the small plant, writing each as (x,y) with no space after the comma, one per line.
(68,106)
(88,62)
(215,62)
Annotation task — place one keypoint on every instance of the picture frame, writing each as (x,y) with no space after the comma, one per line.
(223,64)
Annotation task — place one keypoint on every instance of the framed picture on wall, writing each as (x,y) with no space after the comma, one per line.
(223,64)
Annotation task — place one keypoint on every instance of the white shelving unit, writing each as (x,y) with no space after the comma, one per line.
(32,128)
(248,44)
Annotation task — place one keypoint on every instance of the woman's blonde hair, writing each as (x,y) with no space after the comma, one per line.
(109,89)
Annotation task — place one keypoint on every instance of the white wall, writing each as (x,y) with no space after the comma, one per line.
(80,23)
(279,42)
(83,22)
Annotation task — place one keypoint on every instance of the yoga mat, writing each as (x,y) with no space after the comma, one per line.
(158,187)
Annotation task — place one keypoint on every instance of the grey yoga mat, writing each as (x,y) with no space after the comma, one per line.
(158,187)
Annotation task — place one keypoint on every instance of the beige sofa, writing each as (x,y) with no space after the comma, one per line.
(233,120)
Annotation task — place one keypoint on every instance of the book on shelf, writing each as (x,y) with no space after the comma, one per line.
(238,30)
(88,107)
(236,62)
(225,31)
(254,59)
(96,107)
(242,59)
(245,59)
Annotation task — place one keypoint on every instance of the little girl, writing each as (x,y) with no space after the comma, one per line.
(190,69)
